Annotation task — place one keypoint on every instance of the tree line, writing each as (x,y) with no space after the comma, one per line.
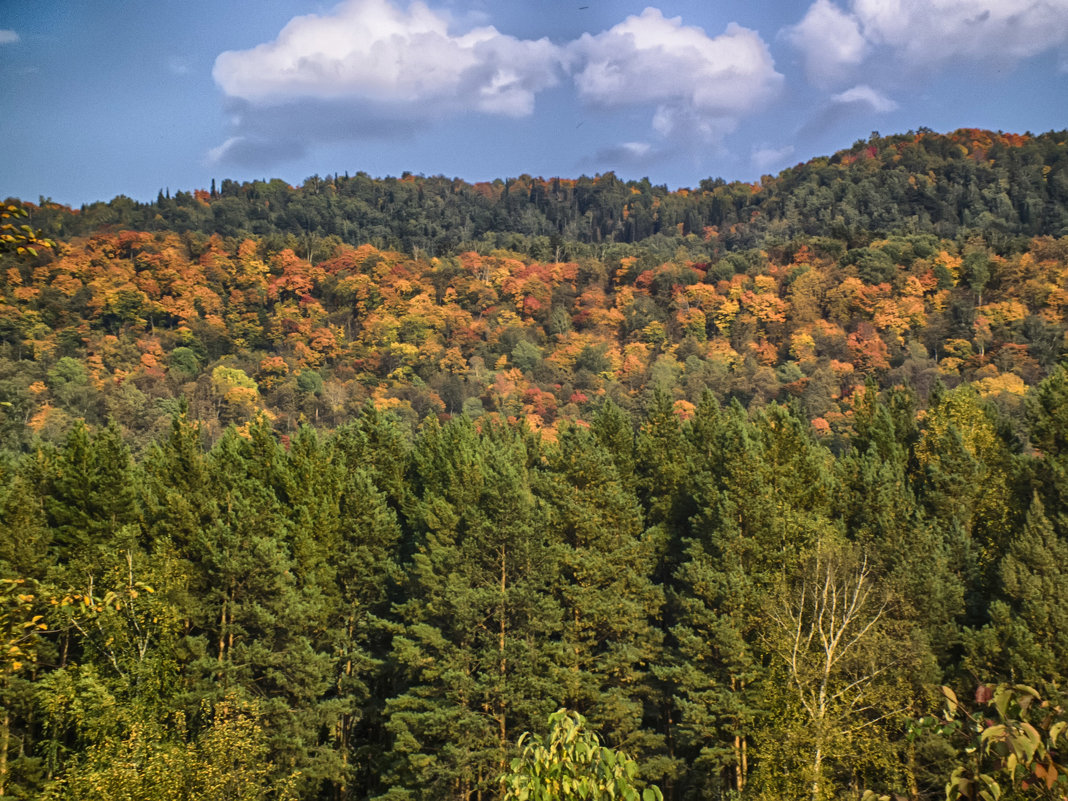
(378,612)
(919,182)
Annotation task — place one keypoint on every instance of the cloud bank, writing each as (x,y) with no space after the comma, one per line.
(368,68)
(834,40)
(8,36)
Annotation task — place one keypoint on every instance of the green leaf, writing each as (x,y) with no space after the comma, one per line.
(1056,730)
(951,702)
(1001,701)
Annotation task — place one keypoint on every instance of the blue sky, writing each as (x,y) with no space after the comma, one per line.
(107,97)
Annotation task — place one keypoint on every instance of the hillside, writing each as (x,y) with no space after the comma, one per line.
(336,508)
(920,183)
(910,259)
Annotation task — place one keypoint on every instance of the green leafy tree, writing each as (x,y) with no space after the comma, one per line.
(21,626)
(571,763)
(227,760)
(838,648)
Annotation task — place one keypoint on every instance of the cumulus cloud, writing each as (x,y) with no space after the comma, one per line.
(371,68)
(865,95)
(693,80)
(8,36)
(830,41)
(924,33)
(371,51)
(934,30)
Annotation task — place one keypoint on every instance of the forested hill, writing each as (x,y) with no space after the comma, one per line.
(332,493)
(120,323)
(916,183)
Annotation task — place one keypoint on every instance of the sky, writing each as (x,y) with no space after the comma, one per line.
(106,97)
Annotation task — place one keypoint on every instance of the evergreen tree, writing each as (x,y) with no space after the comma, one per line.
(89,492)
(880,511)
(1047,407)
(1026,640)
(259,626)
(763,493)
(345,540)
(476,645)
(615,431)
(971,486)
(609,603)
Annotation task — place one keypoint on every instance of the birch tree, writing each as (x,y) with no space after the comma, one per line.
(832,635)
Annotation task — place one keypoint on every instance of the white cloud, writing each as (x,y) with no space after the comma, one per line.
(925,33)
(251,151)
(8,36)
(830,41)
(637,149)
(631,156)
(372,68)
(693,80)
(866,95)
(371,51)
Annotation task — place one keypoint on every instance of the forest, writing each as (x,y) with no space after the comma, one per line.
(335,491)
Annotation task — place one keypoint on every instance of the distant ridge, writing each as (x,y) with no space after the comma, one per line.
(916,182)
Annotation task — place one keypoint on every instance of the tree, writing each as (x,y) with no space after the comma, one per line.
(473,652)
(89,493)
(20,239)
(609,603)
(762,491)
(571,763)
(1027,636)
(228,760)
(970,484)
(833,641)
(20,631)
(1047,407)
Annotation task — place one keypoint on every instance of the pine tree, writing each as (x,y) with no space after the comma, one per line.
(257,625)
(609,602)
(475,648)
(1047,407)
(345,538)
(763,493)
(881,513)
(89,492)
(972,483)
(1026,640)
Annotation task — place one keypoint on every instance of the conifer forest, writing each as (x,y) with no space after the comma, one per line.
(338,492)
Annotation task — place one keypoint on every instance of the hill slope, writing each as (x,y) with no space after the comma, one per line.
(970,284)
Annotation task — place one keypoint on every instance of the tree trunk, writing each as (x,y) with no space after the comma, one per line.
(503,729)
(5,743)
(817,766)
